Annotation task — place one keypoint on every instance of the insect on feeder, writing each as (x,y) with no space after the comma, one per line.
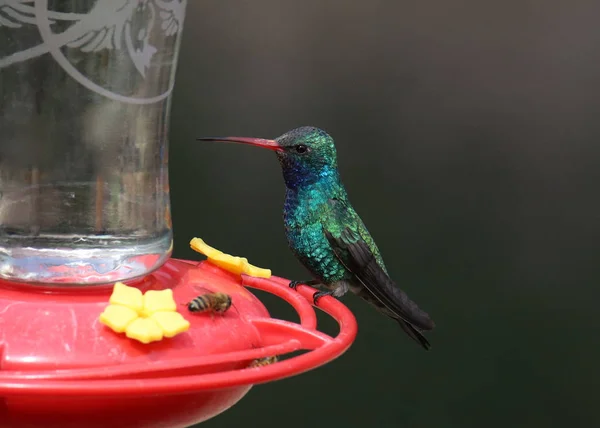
(94,328)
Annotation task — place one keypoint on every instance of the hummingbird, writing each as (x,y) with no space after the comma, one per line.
(326,234)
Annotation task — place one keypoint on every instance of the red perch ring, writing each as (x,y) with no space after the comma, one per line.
(61,368)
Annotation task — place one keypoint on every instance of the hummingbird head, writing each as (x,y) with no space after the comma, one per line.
(306,154)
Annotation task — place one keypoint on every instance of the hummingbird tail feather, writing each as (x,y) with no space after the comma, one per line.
(414,334)
(360,260)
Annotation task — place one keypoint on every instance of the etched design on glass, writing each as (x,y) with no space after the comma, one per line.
(125,25)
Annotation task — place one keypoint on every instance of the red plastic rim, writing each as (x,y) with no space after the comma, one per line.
(177,376)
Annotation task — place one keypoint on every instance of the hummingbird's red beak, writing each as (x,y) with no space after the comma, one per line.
(259,142)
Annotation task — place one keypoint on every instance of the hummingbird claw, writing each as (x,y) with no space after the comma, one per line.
(320,294)
(294,284)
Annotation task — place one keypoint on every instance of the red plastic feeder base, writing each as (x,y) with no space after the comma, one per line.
(61,368)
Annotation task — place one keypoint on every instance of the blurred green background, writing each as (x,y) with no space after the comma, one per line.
(467,135)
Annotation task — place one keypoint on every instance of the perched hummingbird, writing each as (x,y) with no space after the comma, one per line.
(327,235)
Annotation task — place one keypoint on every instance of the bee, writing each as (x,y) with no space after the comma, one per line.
(210,302)
(260,362)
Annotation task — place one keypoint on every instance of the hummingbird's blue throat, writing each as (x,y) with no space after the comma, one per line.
(300,174)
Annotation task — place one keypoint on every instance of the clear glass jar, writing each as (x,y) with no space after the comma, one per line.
(84,108)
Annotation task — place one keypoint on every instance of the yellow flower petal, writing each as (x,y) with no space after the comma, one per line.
(258,272)
(237,265)
(200,246)
(145,330)
(126,296)
(155,301)
(232,264)
(118,317)
(171,323)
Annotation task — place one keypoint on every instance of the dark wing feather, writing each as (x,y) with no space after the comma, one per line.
(356,255)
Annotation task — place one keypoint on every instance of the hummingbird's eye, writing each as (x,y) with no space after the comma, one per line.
(301,148)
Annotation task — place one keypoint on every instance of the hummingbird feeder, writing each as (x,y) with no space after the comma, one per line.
(96,320)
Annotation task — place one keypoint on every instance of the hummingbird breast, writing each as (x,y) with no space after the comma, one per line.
(303,223)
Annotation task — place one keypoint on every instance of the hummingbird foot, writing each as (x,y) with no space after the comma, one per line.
(320,294)
(294,284)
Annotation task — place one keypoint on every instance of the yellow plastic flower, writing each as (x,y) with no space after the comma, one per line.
(237,265)
(144,317)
